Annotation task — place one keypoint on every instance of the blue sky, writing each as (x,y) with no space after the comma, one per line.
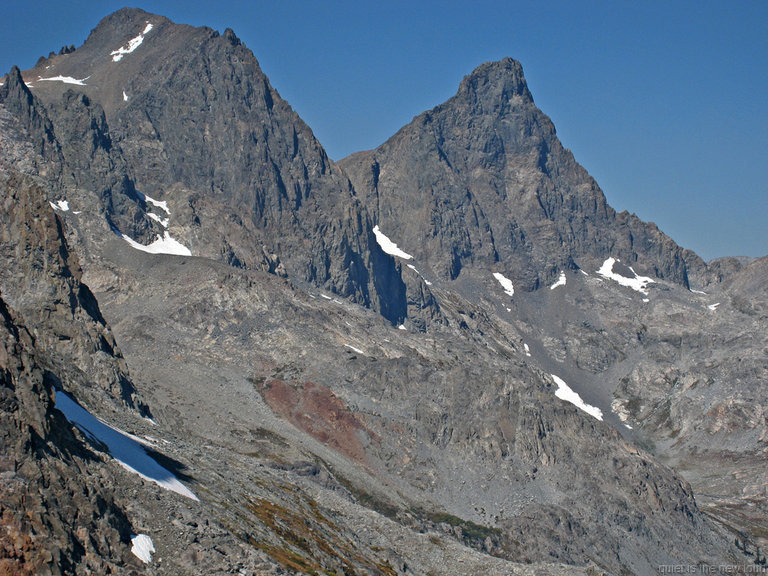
(664,103)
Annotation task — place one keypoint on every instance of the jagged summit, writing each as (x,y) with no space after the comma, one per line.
(495,84)
(483,179)
(202,130)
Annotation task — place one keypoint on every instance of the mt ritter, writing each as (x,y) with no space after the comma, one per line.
(224,353)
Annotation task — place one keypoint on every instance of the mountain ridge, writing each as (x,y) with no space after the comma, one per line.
(377,410)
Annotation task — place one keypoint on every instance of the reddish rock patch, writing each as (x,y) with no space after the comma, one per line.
(316,410)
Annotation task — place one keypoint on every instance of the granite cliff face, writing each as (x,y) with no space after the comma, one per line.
(525,385)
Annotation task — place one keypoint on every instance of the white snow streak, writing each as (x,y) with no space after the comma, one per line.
(564,392)
(65,79)
(560,281)
(125,96)
(121,446)
(156,218)
(388,246)
(61,205)
(133,43)
(159,203)
(505,282)
(355,349)
(713,307)
(162,245)
(402,327)
(527,350)
(638,283)
(142,547)
(412,267)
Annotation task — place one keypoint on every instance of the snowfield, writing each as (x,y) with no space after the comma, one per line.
(123,447)
(561,281)
(162,245)
(142,547)
(133,43)
(564,392)
(505,282)
(65,80)
(638,283)
(60,205)
(388,246)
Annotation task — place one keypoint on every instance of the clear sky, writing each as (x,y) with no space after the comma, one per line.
(664,103)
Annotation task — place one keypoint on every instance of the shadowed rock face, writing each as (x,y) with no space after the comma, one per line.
(319,437)
(41,277)
(482,179)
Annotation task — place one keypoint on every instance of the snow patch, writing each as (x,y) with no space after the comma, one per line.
(125,96)
(638,283)
(133,43)
(65,79)
(402,327)
(527,350)
(162,245)
(698,292)
(61,205)
(354,349)
(564,392)
(142,547)
(162,204)
(121,446)
(714,306)
(560,281)
(163,222)
(505,282)
(388,246)
(412,267)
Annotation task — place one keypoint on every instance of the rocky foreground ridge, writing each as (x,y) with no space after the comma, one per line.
(447,355)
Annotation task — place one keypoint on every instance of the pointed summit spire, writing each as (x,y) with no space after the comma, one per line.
(496,83)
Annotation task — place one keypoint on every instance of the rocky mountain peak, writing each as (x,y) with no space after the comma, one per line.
(495,85)
(165,210)
(497,188)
